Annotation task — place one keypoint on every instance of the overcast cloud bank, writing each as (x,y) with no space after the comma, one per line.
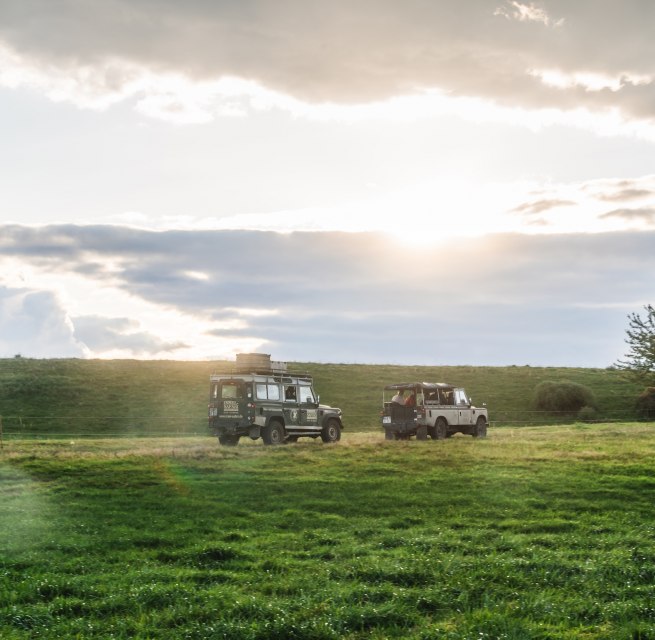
(336,297)
(173,58)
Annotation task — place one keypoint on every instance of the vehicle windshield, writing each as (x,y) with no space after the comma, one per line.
(307,394)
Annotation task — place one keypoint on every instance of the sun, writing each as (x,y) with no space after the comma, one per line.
(440,212)
(422,234)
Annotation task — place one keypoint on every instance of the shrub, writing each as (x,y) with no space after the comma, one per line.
(563,396)
(645,404)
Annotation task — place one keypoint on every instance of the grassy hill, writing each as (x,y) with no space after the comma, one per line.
(136,397)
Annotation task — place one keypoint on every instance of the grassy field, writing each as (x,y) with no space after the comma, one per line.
(138,398)
(533,533)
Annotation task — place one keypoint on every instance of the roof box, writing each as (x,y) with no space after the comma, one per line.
(250,362)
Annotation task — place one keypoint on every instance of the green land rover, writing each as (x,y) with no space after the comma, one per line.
(259,398)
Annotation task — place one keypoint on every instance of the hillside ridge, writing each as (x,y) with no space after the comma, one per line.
(40,397)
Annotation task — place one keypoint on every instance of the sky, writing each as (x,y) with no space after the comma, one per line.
(451,182)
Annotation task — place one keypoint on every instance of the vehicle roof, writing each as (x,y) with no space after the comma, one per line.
(261,376)
(405,386)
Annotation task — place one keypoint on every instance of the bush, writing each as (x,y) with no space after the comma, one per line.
(563,396)
(645,404)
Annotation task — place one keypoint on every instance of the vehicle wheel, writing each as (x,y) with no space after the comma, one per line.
(331,431)
(389,435)
(422,433)
(273,434)
(432,432)
(441,429)
(480,428)
(229,441)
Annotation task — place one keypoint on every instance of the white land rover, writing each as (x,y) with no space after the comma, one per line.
(434,409)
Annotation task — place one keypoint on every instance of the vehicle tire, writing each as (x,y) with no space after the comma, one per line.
(273,434)
(441,429)
(228,441)
(422,433)
(389,435)
(331,432)
(480,430)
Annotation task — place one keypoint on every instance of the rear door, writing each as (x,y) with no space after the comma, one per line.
(232,399)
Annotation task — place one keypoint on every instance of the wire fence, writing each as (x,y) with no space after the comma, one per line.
(27,426)
(115,426)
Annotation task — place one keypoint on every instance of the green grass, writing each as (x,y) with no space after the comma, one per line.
(533,533)
(140,398)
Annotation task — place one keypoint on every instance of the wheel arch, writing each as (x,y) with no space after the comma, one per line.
(441,417)
(331,416)
(276,418)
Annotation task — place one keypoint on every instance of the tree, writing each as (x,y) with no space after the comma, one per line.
(640,360)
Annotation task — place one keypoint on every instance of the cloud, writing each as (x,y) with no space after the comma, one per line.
(608,188)
(533,208)
(625,190)
(101,334)
(643,215)
(627,194)
(171,57)
(34,324)
(506,299)
(580,207)
(527,13)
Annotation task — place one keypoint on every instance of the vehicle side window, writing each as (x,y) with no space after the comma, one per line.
(273,392)
(307,395)
(460,396)
(268,391)
(214,392)
(290,394)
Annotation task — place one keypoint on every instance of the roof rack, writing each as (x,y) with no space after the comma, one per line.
(262,365)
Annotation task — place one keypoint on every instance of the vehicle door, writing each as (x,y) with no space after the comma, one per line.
(268,400)
(291,404)
(231,396)
(447,407)
(308,406)
(465,414)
